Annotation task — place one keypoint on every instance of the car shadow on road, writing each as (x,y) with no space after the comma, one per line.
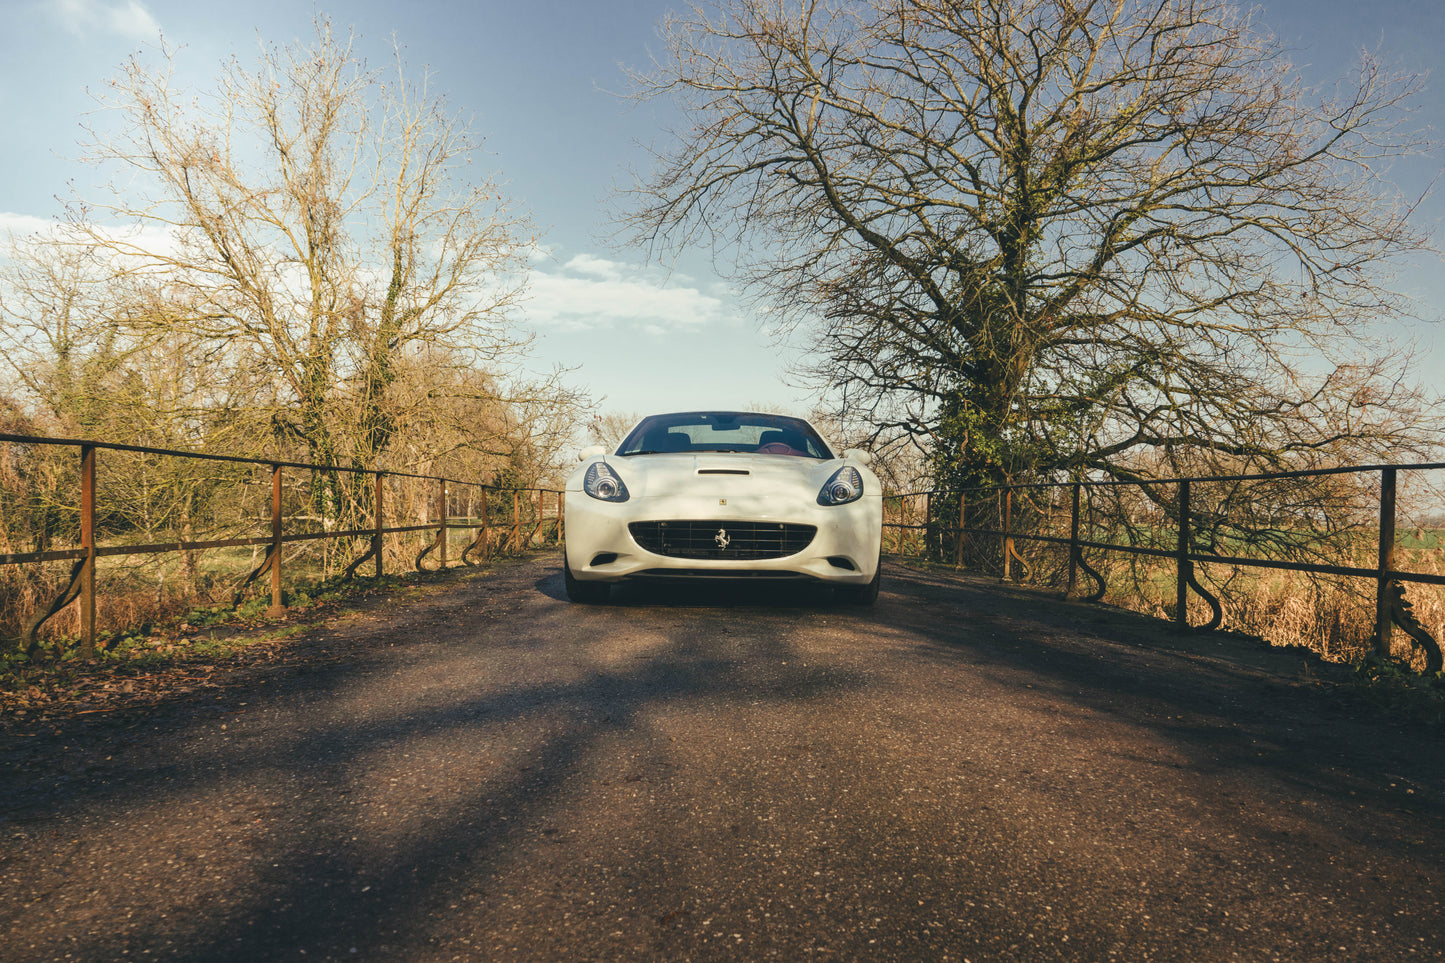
(705,593)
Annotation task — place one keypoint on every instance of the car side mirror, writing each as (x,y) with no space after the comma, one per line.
(859,455)
(590,451)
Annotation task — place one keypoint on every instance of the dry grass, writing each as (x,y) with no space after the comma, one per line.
(1333,617)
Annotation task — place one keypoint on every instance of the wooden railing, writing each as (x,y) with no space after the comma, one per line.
(519,527)
(1175,531)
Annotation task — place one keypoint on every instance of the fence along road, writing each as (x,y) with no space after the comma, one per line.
(964,772)
(1326,522)
(519,529)
(900,517)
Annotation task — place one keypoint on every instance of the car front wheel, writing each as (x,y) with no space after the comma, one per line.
(862,594)
(589,593)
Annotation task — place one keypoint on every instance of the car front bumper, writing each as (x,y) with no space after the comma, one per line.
(844,551)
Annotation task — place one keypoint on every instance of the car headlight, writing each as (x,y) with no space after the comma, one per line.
(845,485)
(601,482)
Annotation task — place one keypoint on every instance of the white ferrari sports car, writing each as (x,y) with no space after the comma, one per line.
(723,495)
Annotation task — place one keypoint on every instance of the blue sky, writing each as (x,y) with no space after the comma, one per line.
(539,80)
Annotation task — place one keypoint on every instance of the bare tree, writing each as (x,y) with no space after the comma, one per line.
(61,339)
(467,423)
(317,224)
(1053,238)
(608,429)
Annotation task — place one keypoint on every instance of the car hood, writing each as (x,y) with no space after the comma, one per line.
(708,473)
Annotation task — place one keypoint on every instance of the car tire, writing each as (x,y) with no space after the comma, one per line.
(588,593)
(863,594)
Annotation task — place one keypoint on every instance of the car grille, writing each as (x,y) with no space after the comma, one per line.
(745,541)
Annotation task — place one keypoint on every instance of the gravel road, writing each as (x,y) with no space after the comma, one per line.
(483,771)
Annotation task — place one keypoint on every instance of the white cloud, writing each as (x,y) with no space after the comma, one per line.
(128,18)
(589,292)
(155,241)
(596,267)
(21,225)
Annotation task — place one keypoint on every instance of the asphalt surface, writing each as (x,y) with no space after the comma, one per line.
(965,772)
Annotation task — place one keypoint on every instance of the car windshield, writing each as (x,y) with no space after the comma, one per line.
(724,431)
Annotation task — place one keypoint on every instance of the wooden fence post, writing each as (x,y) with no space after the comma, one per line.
(1074,548)
(486,528)
(376,539)
(516,537)
(442,530)
(1386,563)
(1182,565)
(87,545)
(277,608)
(928,526)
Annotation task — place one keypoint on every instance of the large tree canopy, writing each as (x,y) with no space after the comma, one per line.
(1053,237)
